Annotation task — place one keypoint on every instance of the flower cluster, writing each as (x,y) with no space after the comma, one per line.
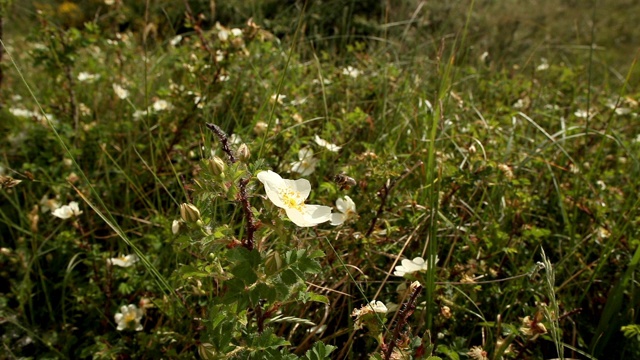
(290,195)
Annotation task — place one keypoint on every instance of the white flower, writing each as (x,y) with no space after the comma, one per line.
(161,105)
(123,261)
(121,92)
(22,112)
(223,35)
(47,204)
(87,77)
(140,113)
(378,306)
(67,211)
(351,71)
(236,32)
(109,2)
(425,103)
(544,65)
(290,196)
(327,145)
(366,313)
(410,266)
(278,98)
(129,317)
(175,227)
(235,139)
(176,40)
(347,209)
(307,163)
(584,114)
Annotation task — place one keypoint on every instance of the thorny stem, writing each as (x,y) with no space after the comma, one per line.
(252,226)
(404,313)
(246,207)
(224,140)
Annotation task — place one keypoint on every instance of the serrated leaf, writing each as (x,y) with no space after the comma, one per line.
(289,277)
(266,340)
(319,351)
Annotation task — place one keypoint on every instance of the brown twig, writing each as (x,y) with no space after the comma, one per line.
(252,225)
(403,315)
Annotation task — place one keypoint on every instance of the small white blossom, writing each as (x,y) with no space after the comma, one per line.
(366,313)
(351,71)
(161,105)
(279,98)
(236,32)
(306,164)
(87,77)
(121,92)
(425,103)
(290,196)
(176,40)
(484,57)
(123,261)
(67,211)
(22,112)
(347,209)
(129,318)
(410,266)
(327,145)
(235,139)
(47,204)
(584,113)
(544,65)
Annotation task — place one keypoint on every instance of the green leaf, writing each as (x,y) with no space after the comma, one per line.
(319,351)
(289,277)
(450,353)
(187,271)
(317,297)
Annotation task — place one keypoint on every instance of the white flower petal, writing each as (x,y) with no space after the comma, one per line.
(301,186)
(310,215)
(337,219)
(327,145)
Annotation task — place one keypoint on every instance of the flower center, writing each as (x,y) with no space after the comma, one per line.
(292,199)
(130,318)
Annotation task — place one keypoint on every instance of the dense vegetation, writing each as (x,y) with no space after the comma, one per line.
(470,172)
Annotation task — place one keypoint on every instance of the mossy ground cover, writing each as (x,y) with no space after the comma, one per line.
(319,180)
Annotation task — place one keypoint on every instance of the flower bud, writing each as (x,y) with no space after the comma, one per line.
(175,227)
(189,212)
(243,152)
(217,165)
